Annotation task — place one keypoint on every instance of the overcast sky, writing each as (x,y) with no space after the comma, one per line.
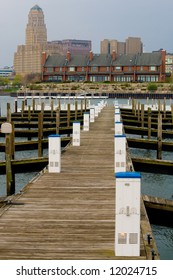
(93,20)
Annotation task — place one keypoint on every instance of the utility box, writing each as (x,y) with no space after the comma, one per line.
(86,121)
(127,216)
(54,151)
(92,114)
(120,152)
(118,128)
(76,133)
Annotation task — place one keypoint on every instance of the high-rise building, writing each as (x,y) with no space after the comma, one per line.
(36,32)
(132,45)
(27,58)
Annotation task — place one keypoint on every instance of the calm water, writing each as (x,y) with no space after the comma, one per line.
(152,184)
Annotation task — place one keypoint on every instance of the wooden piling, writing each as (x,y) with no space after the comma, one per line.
(8,113)
(23,108)
(76,109)
(33,105)
(164,108)
(138,111)
(172,113)
(149,123)
(51,105)
(159,137)
(15,106)
(68,115)
(57,120)
(40,134)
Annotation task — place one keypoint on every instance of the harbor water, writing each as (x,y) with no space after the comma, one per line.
(152,184)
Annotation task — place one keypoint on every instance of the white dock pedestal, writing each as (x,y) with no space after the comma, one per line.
(117,117)
(92,115)
(118,128)
(76,133)
(86,121)
(120,152)
(54,148)
(127,221)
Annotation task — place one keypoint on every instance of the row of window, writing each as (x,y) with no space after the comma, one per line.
(140,78)
(96,69)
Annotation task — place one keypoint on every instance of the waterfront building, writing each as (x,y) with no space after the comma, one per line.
(132,45)
(28,57)
(6,72)
(145,67)
(169,63)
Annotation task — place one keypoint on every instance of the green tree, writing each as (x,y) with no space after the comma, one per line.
(152,87)
(17,80)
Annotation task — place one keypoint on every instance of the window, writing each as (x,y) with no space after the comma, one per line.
(152,68)
(50,69)
(122,238)
(133,238)
(94,68)
(118,68)
(71,69)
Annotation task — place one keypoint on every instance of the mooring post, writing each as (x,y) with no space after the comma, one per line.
(42,108)
(15,105)
(159,137)
(8,113)
(68,115)
(52,106)
(138,111)
(10,184)
(164,107)
(33,105)
(57,121)
(23,108)
(142,117)
(172,113)
(133,105)
(149,123)
(159,107)
(40,134)
(85,104)
(81,107)
(76,108)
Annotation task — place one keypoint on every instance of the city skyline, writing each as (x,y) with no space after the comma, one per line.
(93,20)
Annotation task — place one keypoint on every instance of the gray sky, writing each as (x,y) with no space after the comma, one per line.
(93,20)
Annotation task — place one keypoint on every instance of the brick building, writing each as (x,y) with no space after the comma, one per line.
(147,67)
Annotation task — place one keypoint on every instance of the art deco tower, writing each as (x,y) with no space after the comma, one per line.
(27,59)
(36,32)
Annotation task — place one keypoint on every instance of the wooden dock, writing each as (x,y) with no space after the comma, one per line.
(70,215)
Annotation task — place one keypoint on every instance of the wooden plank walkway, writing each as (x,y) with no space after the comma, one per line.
(70,215)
